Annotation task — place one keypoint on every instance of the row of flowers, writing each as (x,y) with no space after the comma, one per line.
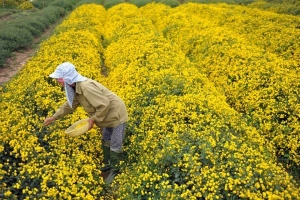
(43,162)
(253,59)
(186,138)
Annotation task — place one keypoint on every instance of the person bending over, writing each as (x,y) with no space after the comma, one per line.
(105,109)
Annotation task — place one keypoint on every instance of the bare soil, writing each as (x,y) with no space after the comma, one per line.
(19,58)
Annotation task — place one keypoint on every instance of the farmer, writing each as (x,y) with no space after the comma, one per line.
(105,109)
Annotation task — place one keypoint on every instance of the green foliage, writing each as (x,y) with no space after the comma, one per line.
(51,13)
(26,26)
(29,25)
(291,7)
(6,12)
(4,54)
(108,4)
(37,22)
(3,44)
(8,4)
(242,2)
(89,1)
(40,4)
(139,3)
(67,5)
(172,3)
(18,38)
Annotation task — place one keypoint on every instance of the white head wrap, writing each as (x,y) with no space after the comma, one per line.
(68,73)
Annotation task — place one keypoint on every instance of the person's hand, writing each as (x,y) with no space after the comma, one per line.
(48,121)
(91,123)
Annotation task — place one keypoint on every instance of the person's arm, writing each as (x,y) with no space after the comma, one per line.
(62,111)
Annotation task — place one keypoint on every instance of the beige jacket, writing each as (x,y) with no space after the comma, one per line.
(101,104)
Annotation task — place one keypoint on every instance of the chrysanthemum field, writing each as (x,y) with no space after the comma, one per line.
(213,95)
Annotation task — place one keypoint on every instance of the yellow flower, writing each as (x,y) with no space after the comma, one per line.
(7,193)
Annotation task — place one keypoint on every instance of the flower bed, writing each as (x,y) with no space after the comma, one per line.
(190,134)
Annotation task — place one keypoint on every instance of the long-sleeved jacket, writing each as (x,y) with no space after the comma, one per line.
(102,105)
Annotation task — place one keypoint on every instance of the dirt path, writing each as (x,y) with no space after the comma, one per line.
(19,58)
